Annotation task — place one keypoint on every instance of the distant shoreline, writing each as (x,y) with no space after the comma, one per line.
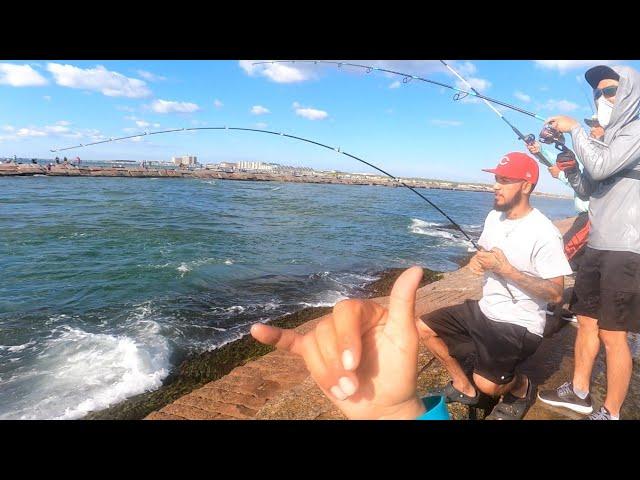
(10,170)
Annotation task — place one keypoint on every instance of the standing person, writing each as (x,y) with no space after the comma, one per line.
(575,239)
(608,282)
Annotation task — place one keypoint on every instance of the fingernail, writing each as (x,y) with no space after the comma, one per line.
(347,386)
(348,362)
(337,392)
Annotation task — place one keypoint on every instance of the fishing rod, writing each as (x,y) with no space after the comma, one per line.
(408,77)
(335,149)
(528,139)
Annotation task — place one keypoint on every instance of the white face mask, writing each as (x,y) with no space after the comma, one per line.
(605,109)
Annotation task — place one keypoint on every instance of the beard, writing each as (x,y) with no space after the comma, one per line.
(505,207)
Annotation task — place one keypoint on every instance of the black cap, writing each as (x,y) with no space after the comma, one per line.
(595,74)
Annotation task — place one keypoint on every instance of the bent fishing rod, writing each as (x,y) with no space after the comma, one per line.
(281,134)
(335,149)
(528,139)
(407,77)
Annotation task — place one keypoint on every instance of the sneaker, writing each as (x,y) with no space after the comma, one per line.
(602,414)
(564,396)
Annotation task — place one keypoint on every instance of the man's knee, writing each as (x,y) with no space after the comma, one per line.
(612,339)
(487,386)
(587,324)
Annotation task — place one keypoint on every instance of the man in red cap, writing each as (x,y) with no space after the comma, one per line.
(364,355)
(523,263)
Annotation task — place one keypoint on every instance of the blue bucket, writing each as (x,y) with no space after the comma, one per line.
(436,409)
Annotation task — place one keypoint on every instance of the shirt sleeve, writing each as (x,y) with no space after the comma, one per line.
(549,259)
(483,241)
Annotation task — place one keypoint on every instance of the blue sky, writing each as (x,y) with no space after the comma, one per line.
(408,129)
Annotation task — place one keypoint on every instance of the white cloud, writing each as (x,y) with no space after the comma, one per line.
(156,125)
(479,84)
(278,72)
(522,96)
(565,65)
(31,132)
(559,105)
(446,123)
(47,98)
(150,76)
(142,123)
(98,79)
(56,129)
(395,84)
(217,103)
(464,69)
(309,113)
(60,130)
(168,106)
(261,125)
(259,110)
(20,76)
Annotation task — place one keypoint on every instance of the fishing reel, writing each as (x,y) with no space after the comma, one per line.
(550,135)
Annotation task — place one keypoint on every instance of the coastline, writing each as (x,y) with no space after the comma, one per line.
(12,170)
(198,369)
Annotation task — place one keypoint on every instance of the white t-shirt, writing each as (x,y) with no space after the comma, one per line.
(533,245)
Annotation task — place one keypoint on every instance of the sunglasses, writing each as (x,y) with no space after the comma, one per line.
(606,91)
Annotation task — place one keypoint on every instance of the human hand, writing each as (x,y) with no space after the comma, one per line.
(364,357)
(561,123)
(554,171)
(495,261)
(533,148)
(566,161)
(597,132)
(475,266)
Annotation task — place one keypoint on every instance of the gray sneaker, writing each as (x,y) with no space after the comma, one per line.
(602,414)
(564,396)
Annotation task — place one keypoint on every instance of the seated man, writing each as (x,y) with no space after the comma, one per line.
(522,259)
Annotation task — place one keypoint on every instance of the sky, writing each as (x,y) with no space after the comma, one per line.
(410,129)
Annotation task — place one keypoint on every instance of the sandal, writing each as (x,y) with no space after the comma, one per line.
(512,407)
(452,394)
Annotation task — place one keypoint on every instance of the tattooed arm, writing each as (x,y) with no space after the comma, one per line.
(549,290)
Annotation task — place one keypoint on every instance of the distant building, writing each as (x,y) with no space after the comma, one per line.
(186,160)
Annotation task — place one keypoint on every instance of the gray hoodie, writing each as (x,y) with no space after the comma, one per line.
(614,208)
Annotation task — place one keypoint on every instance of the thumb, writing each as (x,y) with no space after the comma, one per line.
(280,338)
(402,301)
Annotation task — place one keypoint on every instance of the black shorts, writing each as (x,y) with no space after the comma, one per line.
(498,347)
(607,288)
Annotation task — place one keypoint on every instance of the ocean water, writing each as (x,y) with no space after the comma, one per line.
(108,282)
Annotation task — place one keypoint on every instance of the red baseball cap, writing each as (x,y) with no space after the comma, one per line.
(518,166)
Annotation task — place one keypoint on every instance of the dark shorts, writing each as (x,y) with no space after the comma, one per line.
(498,347)
(608,288)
